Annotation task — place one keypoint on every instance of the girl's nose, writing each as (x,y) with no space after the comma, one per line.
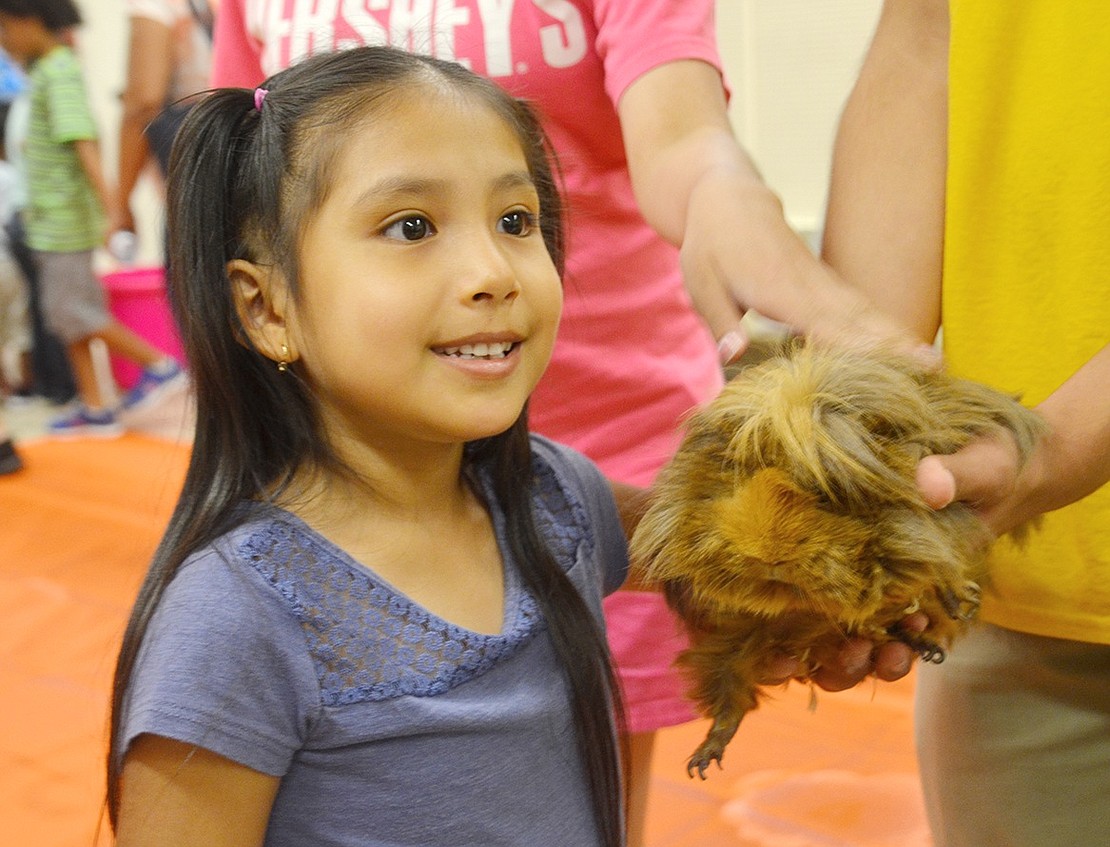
(489,275)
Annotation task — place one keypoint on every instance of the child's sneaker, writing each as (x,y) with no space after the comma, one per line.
(154,383)
(9,459)
(83,423)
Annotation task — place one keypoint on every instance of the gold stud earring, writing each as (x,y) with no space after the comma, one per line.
(283,364)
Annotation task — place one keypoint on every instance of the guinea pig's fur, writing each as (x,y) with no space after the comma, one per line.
(789,519)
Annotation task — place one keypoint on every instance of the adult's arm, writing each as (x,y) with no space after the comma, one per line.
(884,228)
(698,188)
(884,232)
(179,795)
(149,69)
(1069,463)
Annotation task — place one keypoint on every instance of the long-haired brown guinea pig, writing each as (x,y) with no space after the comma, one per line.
(789,519)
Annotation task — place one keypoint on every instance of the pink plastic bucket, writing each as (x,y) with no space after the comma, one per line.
(137,298)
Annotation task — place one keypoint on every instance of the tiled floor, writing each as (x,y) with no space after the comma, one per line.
(76,528)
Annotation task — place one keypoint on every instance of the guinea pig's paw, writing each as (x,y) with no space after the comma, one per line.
(713,748)
(708,751)
(962,605)
(927,648)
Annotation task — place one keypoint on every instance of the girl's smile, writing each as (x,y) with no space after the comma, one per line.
(484,356)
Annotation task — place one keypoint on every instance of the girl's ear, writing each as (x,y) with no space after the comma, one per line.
(263,302)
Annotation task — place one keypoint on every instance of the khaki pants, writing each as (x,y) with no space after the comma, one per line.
(1013,737)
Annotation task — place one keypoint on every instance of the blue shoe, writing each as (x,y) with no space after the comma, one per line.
(153,385)
(82,423)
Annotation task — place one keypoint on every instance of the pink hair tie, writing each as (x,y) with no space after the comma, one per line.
(259,96)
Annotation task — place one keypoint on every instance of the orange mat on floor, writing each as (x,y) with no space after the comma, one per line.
(76,530)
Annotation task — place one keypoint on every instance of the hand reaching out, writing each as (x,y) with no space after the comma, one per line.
(762,264)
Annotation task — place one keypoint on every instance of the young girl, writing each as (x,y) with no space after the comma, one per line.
(375,616)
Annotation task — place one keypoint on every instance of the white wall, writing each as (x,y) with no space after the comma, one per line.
(790,64)
(102,46)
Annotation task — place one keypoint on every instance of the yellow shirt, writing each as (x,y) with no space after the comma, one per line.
(1027,262)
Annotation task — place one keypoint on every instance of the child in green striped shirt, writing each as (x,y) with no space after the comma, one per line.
(64,218)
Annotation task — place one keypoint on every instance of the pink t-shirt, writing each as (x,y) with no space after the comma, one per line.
(632,356)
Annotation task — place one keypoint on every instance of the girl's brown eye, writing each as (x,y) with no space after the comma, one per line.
(517,222)
(413,228)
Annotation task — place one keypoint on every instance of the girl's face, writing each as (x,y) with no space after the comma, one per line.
(428,304)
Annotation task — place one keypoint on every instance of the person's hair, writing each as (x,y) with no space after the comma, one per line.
(55,15)
(243,184)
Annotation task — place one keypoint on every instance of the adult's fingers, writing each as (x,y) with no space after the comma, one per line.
(935,482)
(982,473)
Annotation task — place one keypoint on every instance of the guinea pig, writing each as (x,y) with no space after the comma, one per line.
(789,519)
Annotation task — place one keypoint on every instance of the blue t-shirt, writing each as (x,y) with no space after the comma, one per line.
(388,725)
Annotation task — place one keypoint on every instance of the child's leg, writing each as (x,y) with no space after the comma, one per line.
(48,368)
(161,374)
(93,417)
(84,374)
(123,342)
(74,308)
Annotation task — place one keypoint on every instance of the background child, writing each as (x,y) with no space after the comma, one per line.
(64,216)
(50,374)
(15,323)
(376,614)
(15,332)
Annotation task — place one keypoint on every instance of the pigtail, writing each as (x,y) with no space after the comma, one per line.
(578,639)
(252,422)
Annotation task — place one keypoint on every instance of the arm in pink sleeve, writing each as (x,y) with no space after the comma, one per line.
(636,36)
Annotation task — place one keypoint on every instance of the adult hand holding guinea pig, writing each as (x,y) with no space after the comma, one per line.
(1069,462)
(857,659)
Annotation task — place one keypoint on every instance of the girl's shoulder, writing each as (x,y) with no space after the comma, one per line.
(562,469)
(562,460)
(566,486)
(575,509)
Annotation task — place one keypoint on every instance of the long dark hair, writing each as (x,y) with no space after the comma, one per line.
(242,185)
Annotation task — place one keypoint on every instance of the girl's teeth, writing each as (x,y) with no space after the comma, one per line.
(479,351)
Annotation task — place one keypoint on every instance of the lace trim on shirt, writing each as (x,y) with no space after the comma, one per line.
(370,643)
(560,518)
